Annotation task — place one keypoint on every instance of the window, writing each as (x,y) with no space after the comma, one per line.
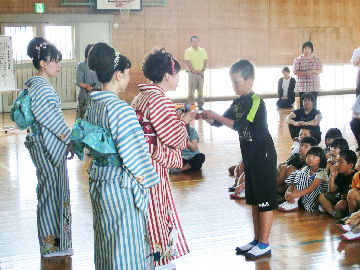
(217,81)
(62,37)
(21,36)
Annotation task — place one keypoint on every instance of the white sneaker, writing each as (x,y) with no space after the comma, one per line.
(321,209)
(169,266)
(256,252)
(244,248)
(67,252)
(286,206)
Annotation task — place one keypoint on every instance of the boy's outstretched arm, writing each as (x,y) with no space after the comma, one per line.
(210,117)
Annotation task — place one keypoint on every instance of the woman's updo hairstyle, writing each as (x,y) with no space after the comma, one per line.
(105,61)
(40,49)
(159,62)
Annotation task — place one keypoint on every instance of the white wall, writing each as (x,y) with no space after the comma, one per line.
(91,33)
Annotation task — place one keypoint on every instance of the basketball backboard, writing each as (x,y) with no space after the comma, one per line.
(110,5)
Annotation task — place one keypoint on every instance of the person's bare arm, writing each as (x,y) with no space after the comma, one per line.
(86,86)
(299,73)
(333,175)
(318,71)
(301,193)
(314,122)
(189,65)
(210,117)
(355,64)
(205,65)
(289,119)
(193,145)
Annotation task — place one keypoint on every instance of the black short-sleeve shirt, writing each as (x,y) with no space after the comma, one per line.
(343,183)
(250,121)
(301,116)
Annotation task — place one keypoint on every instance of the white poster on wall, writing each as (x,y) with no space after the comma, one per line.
(7,75)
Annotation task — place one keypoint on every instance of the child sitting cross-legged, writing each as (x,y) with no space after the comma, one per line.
(192,158)
(239,187)
(341,175)
(309,183)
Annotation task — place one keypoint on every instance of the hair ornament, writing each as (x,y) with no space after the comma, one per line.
(41,46)
(172,65)
(116,59)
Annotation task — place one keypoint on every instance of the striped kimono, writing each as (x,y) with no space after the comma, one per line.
(171,136)
(47,144)
(120,194)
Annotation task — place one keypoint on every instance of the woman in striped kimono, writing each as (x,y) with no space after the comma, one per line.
(48,144)
(119,182)
(166,135)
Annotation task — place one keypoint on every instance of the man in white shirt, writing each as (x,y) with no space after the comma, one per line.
(355,60)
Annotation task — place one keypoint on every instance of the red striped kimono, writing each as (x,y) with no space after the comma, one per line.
(158,111)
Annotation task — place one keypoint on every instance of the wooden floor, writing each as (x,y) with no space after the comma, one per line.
(213,224)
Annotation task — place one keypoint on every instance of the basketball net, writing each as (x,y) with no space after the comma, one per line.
(124,6)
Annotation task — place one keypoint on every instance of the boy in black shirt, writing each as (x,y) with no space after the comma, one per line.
(341,175)
(247,115)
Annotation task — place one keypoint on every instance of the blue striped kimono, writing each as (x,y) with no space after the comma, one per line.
(119,193)
(47,144)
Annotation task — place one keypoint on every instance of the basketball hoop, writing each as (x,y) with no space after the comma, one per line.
(124,6)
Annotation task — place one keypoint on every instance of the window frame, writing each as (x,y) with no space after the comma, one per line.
(39,30)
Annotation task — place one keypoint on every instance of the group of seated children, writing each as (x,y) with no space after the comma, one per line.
(318,179)
(326,183)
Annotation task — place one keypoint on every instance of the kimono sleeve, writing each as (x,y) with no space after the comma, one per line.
(171,131)
(130,143)
(46,109)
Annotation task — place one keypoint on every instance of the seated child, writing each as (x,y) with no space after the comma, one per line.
(341,175)
(330,135)
(192,158)
(295,162)
(351,227)
(239,191)
(309,183)
(354,194)
(304,132)
(237,171)
(337,145)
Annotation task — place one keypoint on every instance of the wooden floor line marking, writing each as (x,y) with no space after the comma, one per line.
(308,242)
